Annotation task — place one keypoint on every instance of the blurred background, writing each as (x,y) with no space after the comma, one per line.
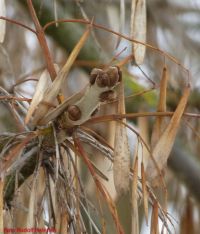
(172,25)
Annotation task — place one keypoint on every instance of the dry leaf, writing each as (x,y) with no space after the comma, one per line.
(135,218)
(2,22)
(31,208)
(100,187)
(163,90)
(52,91)
(138,29)
(142,152)
(154,219)
(122,21)
(121,164)
(163,147)
(42,85)
(145,193)
(160,122)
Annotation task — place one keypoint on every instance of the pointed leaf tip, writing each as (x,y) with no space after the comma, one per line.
(164,145)
(138,29)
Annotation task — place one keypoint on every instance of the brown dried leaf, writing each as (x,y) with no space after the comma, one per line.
(160,123)
(138,29)
(100,187)
(154,219)
(135,218)
(121,161)
(163,147)
(121,164)
(145,193)
(163,90)
(2,22)
(52,91)
(143,153)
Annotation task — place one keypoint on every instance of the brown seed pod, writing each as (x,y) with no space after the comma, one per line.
(93,75)
(74,113)
(113,76)
(107,96)
(108,78)
(102,80)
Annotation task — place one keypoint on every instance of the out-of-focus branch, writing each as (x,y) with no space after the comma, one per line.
(186,168)
(67,34)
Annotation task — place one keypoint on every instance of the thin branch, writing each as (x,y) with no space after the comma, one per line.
(42,40)
(170,57)
(114,117)
(18,23)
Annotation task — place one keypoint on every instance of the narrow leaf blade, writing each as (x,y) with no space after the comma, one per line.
(135,218)
(42,85)
(121,164)
(154,218)
(163,147)
(138,29)
(160,122)
(145,193)
(163,90)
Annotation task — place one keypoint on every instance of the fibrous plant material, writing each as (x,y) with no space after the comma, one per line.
(121,163)
(54,89)
(138,29)
(61,129)
(135,218)
(164,145)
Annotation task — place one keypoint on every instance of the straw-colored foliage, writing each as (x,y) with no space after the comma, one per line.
(91,156)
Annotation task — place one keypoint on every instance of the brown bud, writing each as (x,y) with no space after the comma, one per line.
(74,112)
(108,78)
(114,75)
(102,80)
(107,96)
(93,75)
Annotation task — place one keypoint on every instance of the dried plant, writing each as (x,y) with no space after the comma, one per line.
(48,161)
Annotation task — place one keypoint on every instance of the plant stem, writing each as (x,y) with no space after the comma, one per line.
(42,40)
